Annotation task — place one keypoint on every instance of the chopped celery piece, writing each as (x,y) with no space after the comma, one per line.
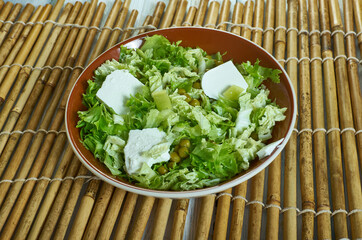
(162,100)
(233,92)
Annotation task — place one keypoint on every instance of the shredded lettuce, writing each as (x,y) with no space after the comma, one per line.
(225,135)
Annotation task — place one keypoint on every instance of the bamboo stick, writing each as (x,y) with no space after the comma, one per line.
(16,160)
(5,11)
(222,215)
(12,220)
(147,22)
(30,80)
(52,192)
(200,13)
(305,145)
(319,140)
(169,13)
(247,19)
(257,182)
(179,219)
(119,24)
(29,214)
(110,218)
(1,4)
(18,48)
(346,118)
(37,141)
(180,13)
(106,31)
(274,172)
(13,15)
(224,14)
(334,142)
(237,18)
(357,10)
(131,21)
(72,191)
(17,36)
(190,16)
(212,14)
(237,219)
(98,211)
(240,190)
(138,227)
(21,57)
(80,62)
(161,217)
(353,73)
(290,165)
(157,13)
(205,216)
(83,213)
(126,215)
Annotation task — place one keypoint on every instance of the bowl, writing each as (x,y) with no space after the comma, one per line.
(237,48)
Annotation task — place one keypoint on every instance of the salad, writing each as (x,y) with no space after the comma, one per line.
(153,117)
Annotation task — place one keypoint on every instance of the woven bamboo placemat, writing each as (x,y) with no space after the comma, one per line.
(313,190)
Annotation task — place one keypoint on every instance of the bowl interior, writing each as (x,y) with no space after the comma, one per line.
(236,48)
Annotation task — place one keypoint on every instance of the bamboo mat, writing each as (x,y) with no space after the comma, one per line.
(312,190)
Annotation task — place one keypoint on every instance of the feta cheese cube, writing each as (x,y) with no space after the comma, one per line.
(217,80)
(117,88)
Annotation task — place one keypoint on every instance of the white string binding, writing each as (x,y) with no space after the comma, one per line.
(239,197)
(73,25)
(348,129)
(303,31)
(333,129)
(323,211)
(305,130)
(24,180)
(255,202)
(289,208)
(41,68)
(31,131)
(325,32)
(223,194)
(272,205)
(306,211)
(339,211)
(292,29)
(319,130)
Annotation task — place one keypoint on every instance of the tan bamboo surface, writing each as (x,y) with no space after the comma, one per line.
(334,142)
(319,140)
(290,165)
(353,68)
(354,191)
(14,13)
(312,190)
(305,138)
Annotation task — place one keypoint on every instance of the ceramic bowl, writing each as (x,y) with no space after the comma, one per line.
(237,48)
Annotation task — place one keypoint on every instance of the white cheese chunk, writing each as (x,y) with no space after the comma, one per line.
(141,141)
(217,80)
(243,119)
(268,149)
(117,88)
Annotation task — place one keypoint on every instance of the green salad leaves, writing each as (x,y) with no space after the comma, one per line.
(224,134)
